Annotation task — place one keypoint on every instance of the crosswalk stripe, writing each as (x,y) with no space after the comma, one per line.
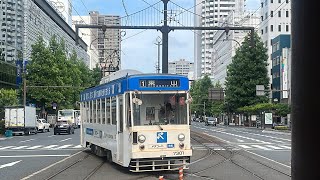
(64,146)
(34,147)
(19,147)
(49,147)
(274,147)
(6,147)
(260,147)
(244,146)
(79,146)
(287,147)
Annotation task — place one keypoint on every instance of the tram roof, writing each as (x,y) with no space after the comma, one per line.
(140,82)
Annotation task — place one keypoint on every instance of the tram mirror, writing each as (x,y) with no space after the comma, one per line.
(137,101)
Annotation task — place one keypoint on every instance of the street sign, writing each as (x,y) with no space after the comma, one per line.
(54,105)
(216,94)
(267,118)
(260,90)
(162,137)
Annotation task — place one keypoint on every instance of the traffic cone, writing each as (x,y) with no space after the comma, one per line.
(181,173)
(161,178)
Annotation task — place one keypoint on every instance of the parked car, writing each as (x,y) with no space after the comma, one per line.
(211,121)
(63,127)
(42,125)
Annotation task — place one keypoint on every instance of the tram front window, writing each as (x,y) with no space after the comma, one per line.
(160,109)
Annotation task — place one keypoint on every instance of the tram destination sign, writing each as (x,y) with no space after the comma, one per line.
(159,83)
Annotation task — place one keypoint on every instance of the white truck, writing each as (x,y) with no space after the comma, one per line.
(21,120)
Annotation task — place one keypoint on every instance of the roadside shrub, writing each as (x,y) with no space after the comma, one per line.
(2,128)
(281,128)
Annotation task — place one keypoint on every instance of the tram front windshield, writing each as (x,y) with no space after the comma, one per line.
(160,109)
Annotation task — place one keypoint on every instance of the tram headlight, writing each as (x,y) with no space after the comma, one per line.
(181,137)
(141,138)
(181,145)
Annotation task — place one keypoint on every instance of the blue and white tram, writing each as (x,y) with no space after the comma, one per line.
(139,121)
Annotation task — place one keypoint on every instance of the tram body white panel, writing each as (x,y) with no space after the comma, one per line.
(171,148)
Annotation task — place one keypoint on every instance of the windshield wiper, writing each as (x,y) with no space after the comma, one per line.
(160,127)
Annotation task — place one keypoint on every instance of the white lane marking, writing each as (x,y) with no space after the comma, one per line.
(287,147)
(1,139)
(19,147)
(6,147)
(52,136)
(49,147)
(27,140)
(268,159)
(34,147)
(239,140)
(79,146)
(274,147)
(217,137)
(244,137)
(37,155)
(64,146)
(48,167)
(260,147)
(265,136)
(65,139)
(9,164)
(244,146)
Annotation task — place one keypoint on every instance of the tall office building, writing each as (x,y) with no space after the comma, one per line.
(64,8)
(108,44)
(181,67)
(225,44)
(276,20)
(11,32)
(86,35)
(211,11)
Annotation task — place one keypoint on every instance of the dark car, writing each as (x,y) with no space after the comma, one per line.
(63,127)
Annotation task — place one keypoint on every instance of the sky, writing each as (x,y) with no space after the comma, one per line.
(139,52)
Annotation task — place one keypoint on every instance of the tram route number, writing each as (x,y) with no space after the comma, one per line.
(178,153)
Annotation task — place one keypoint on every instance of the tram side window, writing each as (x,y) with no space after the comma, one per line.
(94,111)
(114,110)
(91,110)
(108,109)
(103,110)
(121,112)
(98,111)
(128,110)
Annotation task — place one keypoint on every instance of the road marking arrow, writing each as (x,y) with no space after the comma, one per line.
(9,164)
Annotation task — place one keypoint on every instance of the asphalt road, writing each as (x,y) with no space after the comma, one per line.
(21,156)
(258,154)
(267,144)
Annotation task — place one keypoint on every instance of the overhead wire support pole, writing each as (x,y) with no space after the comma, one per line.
(165,35)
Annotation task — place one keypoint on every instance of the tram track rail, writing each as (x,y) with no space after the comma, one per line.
(228,156)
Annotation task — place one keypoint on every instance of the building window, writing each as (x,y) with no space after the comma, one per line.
(271,28)
(287,1)
(261,31)
(271,13)
(287,28)
(279,28)
(261,18)
(279,1)
(266,29)
(271,1)
(279,13)
(287,13)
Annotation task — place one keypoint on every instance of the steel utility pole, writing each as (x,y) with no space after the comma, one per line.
(165,30)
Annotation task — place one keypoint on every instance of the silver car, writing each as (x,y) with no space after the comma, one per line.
(211,121)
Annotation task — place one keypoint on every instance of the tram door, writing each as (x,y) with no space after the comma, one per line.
(120,128)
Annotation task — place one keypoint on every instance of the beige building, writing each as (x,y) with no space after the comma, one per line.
(181,67)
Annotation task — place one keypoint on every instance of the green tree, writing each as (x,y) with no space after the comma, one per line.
(50,66)
(199,93)
(8,97)
(96,75)
(248,69)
